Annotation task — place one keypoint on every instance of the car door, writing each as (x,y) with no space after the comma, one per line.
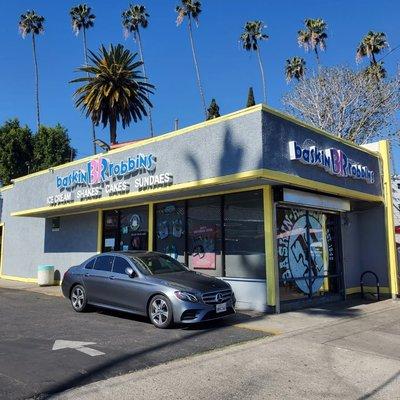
(97,280)
(128,293)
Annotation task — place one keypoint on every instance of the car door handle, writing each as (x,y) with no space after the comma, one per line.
(111,277)
(87,274)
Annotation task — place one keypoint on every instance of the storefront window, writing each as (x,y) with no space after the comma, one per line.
(126,229)
(307,253)
(170,229)
(244,235)
(204,235)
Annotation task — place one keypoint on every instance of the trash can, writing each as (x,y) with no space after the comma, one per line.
(45,275)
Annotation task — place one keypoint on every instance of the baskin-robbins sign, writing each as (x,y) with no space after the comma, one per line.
(102,177)
(333,161)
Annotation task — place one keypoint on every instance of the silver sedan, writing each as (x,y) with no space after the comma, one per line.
(150,284)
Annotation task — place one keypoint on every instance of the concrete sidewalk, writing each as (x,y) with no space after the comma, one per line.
(329,353)
(31,287)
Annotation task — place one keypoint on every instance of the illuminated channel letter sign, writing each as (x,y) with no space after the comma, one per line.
(333,161)
(101,170)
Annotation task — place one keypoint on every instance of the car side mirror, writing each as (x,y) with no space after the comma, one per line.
(130,272)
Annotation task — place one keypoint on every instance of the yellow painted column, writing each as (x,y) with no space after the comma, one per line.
(270,248)
(389,218)
(99,230)
(151,227)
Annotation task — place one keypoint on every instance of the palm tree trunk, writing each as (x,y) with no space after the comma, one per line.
(317,56)
(139,42)
(36,82)
(113,129)
(86,63)
(196,66)
(262,75)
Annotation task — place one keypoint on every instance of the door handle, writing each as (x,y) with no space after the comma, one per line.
(111,277)
(87,274)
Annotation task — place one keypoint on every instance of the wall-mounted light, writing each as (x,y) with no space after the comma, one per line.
(103,145)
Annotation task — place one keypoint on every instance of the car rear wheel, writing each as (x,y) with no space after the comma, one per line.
(78,298)
(160,312)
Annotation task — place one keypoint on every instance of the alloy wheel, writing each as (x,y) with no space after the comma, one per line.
(159,311)
(77,298)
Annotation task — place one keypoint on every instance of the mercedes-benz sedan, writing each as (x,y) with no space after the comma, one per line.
(150,284)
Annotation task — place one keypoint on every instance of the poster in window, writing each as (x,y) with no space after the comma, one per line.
(203,255)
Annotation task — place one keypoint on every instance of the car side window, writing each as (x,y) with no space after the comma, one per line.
(103,263)
(120,264)
(89,265)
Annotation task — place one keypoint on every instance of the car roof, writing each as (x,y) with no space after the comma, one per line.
(135,253)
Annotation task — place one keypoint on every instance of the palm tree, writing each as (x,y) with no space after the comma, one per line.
(113,89)
(295,68)
(313,36)
(81,20)
(134,17)
(371,44)
(32,23)
(250,38)
(192,9)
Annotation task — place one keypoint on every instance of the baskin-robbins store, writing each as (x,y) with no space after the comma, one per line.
(289,215)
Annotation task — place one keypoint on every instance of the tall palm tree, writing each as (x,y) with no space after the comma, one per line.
(82,19)
(32,23)
(372,44)
(192,9)
(133,18)
(295,68)
(314,36)
(113,89)
(250,38)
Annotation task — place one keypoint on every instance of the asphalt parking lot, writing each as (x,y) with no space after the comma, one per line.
(39,355)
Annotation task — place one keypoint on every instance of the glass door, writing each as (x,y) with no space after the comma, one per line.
(126,229)
(307,254)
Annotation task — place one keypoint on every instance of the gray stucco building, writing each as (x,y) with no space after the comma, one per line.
(286,213)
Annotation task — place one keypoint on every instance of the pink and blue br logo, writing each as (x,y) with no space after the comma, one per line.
(97,169)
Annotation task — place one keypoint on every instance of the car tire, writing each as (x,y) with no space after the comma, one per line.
(160,312)
(78,298)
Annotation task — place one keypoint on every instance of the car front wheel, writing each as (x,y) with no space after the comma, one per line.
(78,298)
(160,312)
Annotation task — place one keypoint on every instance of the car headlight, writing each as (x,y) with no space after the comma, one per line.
(186,296)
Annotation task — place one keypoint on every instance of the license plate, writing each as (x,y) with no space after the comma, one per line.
(220,307)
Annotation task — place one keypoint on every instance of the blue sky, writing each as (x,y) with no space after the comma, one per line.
(227,71)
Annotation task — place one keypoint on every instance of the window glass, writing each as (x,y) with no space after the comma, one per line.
(103,263)
(204,235)
(160,264)
(125,229)
(90,264)
(133,229)
(120,264)
(244,235)
(170,229)
(110,230)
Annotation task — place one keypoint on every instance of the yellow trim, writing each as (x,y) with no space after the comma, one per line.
(151,227)
(389,217)
(18,278)
(270,248)
(2,247)
(297,121)
(280,177)
(367,289)
(99,230)
(3,188)
(144,142)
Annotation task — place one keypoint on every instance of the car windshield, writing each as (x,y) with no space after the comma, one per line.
(156,264)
